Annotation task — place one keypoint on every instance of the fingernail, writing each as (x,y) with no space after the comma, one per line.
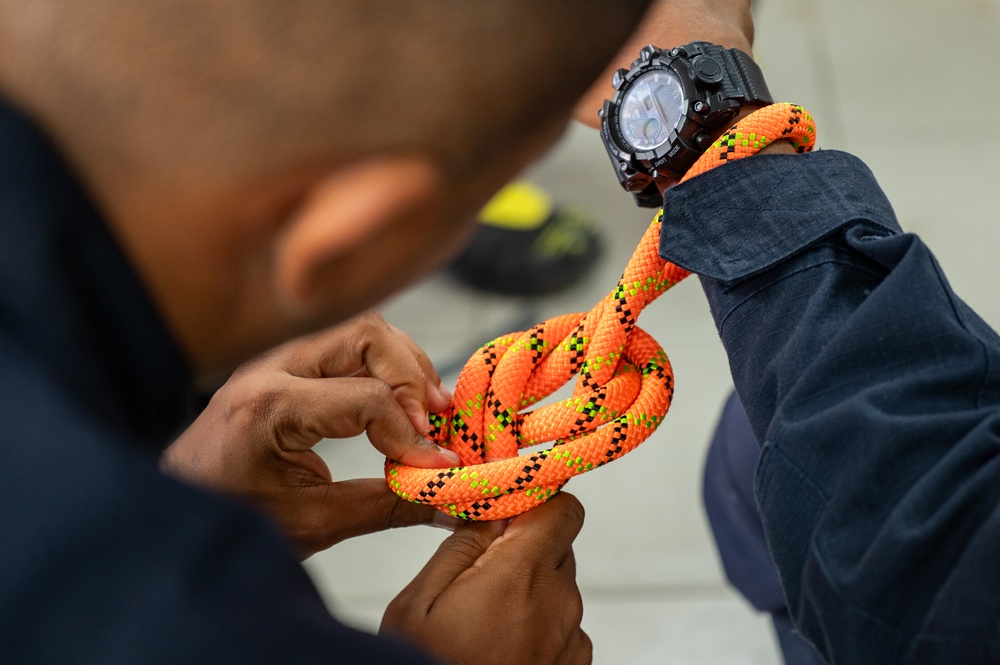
(445,393)
(426,422)
(446,522)
(451,455)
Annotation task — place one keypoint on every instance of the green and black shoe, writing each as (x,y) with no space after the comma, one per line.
(525,245)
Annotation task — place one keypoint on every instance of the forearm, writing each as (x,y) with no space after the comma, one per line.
(874,391)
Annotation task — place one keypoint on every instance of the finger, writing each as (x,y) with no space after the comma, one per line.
(305,411)
(546,532)
(568,564)
(438,397)
(396,359)
(579,650)
(457,554)
(351,508)
(337,351)
(567,622)
(366,345)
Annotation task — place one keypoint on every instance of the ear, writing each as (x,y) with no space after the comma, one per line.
(345,210)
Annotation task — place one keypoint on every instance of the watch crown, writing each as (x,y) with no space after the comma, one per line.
(618,77)
(707,70)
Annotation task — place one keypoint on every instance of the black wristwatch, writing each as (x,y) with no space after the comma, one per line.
(668,109)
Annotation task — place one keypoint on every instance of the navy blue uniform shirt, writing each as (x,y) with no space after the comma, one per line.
(875,393)
(102,559)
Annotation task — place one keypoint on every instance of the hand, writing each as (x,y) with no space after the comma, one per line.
(671,23)
(255,438)
(491,596)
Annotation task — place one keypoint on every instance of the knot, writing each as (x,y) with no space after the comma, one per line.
(623,390)
(624,380)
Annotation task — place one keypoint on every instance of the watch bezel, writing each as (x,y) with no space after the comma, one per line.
(654,158)
(664,104)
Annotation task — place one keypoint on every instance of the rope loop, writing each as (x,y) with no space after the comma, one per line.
(624,382)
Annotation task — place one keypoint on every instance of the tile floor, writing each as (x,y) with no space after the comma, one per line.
(913,88)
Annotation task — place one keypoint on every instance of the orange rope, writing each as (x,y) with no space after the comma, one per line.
(624,383)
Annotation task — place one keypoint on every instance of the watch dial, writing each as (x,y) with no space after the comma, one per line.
(650,109)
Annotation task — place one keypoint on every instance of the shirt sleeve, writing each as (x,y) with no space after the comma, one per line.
(874,390)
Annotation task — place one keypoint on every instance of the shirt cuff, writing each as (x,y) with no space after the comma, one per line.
(745,217)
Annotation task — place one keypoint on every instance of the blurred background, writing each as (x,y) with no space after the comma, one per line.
(913,89)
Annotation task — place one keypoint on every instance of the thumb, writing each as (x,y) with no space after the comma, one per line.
(353,508)
(454,556)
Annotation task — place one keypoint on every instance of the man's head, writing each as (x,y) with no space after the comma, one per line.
(271,167)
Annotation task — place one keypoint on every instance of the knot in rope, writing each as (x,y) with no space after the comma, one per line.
(624,382)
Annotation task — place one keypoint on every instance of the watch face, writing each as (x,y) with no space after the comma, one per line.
(650,109)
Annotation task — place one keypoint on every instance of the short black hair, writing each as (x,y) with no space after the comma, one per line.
(237,85)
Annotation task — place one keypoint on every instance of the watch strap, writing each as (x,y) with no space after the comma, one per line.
(650,197)
(742,69)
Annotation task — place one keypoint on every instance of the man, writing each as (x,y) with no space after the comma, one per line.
(186,184)
(250,211)
(874,392)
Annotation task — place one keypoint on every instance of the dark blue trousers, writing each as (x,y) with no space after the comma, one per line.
(739,532)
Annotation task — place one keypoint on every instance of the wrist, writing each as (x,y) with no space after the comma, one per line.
(781,147)
(671,106)
(783,128)
(778,147)
(666,24)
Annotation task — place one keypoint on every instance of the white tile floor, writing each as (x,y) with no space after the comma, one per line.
(913,88)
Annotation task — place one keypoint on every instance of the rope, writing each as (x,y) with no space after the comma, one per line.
(624,380)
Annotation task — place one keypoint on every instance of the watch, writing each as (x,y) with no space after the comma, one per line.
(668,109)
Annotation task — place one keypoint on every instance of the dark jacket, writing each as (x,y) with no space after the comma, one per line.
(102,558)
(875,392)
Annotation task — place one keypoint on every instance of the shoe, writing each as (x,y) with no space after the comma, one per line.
(527,246)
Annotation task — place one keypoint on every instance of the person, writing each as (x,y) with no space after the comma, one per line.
(874,393)
(186,185)
(212,197)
